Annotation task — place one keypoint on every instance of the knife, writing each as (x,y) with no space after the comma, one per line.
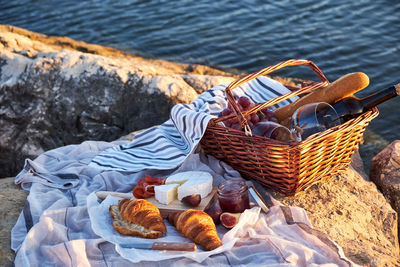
(254,193)
(260,195)
(176,246)
(264,194)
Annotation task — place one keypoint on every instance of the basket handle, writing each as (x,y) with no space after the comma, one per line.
(292,62)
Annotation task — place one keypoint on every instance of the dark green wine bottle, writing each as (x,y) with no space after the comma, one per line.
(351,107)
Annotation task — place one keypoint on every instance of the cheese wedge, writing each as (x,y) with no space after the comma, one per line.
(165,193)
(191,182)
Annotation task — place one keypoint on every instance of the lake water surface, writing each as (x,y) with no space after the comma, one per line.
(339,36)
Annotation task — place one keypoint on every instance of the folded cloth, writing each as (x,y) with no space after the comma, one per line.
(166,146)
(55,227)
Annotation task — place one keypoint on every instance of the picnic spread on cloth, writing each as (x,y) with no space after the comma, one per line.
(63,223)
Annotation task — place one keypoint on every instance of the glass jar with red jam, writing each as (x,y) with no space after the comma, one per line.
(233,195)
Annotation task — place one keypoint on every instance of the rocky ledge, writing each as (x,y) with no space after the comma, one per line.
(56,91)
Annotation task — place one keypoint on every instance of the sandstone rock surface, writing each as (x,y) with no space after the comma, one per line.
(12,199)
(56,91)
(353,213)
(385,173)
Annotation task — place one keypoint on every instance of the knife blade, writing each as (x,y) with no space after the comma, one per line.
(260,195)
(175,246)
(254,193)
(264,194)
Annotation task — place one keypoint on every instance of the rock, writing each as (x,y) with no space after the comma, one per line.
(372,145)
(55,91)
(385,173)
(12,199)
(353,213)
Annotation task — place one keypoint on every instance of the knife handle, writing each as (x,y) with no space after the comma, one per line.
(174,246)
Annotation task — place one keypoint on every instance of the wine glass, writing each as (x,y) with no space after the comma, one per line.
(273,130)
(313,118)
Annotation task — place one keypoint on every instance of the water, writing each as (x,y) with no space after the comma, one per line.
(339,36)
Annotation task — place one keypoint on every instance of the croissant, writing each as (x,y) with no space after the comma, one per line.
(137,217)
(198,226)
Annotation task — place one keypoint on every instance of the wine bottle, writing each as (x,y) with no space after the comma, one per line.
(351,107)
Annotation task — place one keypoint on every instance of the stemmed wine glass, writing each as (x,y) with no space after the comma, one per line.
(273,130)
(313,118)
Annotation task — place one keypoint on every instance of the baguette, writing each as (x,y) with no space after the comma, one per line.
(339,89)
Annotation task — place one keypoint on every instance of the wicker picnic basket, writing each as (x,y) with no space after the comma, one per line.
(287,168)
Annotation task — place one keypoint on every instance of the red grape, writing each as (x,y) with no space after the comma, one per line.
(244,104)
(273,119)
(236,126)
(264,110)
(244,101)
(228,123)
(226,112)
(254,118)
(261,117)
(269,113)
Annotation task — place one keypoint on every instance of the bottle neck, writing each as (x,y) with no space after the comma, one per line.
(380,97)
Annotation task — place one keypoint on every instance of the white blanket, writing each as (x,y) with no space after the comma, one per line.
(56,229)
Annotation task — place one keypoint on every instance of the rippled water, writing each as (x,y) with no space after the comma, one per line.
(339,36)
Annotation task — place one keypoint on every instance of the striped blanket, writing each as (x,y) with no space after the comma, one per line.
(167,145)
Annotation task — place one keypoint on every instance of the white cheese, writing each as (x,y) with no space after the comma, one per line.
(165,193)
(191,182)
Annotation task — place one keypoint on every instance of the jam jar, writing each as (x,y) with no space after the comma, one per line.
(233,195)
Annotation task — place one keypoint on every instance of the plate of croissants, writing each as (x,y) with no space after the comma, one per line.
(126,222)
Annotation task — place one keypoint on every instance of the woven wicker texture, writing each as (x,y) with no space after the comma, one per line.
(287,168)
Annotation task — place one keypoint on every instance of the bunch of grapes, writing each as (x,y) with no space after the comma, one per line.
(244,104)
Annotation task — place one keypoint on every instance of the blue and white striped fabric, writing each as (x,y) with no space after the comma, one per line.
(169,144)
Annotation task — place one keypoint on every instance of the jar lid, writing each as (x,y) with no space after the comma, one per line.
(233,186)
